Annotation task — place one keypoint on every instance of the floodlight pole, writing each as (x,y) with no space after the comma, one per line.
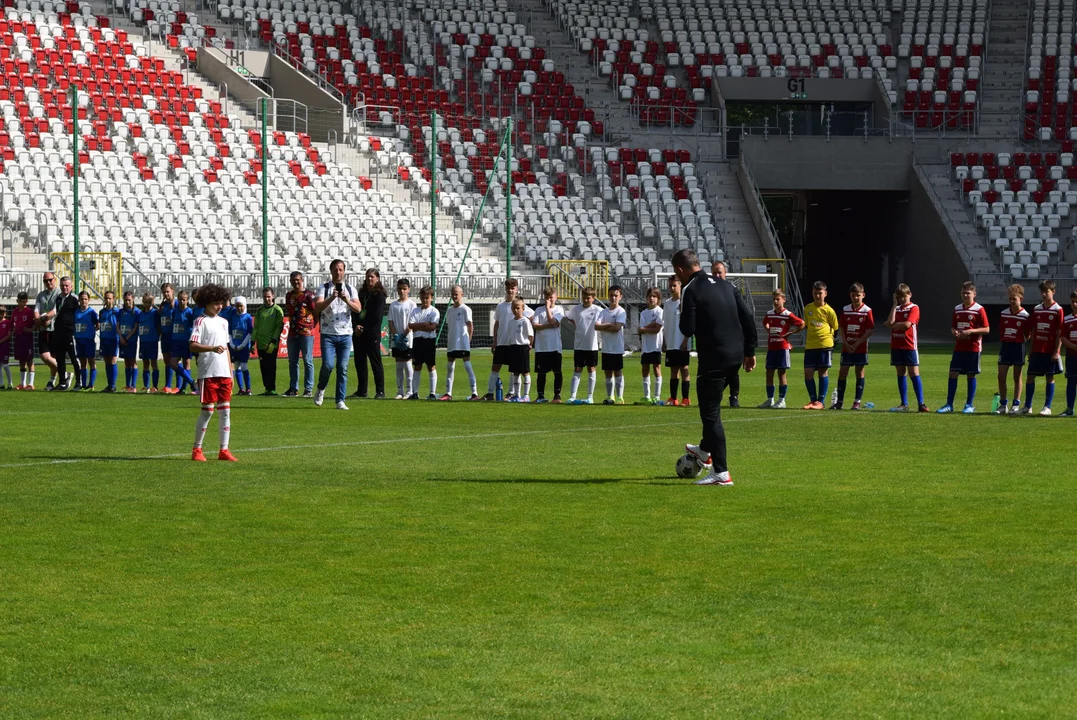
(508,201)
(433,200)
(265,193)
(75,172)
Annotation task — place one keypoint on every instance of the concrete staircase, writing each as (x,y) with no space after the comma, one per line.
(1002,79)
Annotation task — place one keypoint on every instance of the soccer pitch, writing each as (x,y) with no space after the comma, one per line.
(421,559)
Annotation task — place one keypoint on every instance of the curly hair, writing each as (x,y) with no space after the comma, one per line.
(211,293)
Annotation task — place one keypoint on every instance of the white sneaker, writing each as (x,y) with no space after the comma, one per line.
(713,478)
(769,403)
(319,398)
(701,456)
(525,398)
(1045,412)
(398,397)
(1015,409)
(341,406)
(780,405)
(1024,411)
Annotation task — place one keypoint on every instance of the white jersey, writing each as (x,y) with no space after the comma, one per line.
(613,343)
(585,319)
(503,316)
(548,340)
(429,315)
(456,320)
(399,314)
(337,317)
(652,343)
(671,324)
(520,331)
(212,331)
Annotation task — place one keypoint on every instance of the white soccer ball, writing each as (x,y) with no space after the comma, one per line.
(688,466)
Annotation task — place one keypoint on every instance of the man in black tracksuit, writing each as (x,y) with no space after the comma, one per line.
(63,335)
(715,314)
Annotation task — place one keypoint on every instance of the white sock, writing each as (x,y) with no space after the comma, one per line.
(433,381)
(491,385)
(575,385)
(619,386)
(609,387)
(449,378)
(30,378)
(527,385)
(22,377)
(415,376)
(225,420)
(592,378)
(409,376)
(515,384)
(647,388)
(658,387)
(471,377)
(202,425)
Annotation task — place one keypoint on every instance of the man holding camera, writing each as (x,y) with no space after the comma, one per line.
(335,302)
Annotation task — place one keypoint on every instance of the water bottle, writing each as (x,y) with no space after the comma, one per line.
(499,392)
(995,402)
(834,397)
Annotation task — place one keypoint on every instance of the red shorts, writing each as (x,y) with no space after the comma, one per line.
(216,390)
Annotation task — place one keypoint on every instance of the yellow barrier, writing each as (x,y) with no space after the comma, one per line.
(570,277)
(98,271)
(772,265)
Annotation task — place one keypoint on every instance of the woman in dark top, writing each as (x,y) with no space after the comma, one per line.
(367,339)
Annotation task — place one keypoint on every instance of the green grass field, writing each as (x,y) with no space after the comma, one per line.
(445,560)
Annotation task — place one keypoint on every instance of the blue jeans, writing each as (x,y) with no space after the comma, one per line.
(301,345)
(336,352)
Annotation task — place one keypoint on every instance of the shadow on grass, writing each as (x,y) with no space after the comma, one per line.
(535,481)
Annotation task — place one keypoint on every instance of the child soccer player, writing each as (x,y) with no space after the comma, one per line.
(821,322)
(651,325)
(584,317)
(502,316)
(164,319)
(182,324)
(128,335)
(22,323)
(461,330)
(779,323)
(904,356)
(521,335)
(423,324)
(1016,328)
(109,328)
(676,345)
(399,316)
(86,341)
(856,323)
(149,343)
(968,327)
(7,331)
(209,338)
(611,323)
(1069,339)
(1045,358)
(241,330)
(547,325)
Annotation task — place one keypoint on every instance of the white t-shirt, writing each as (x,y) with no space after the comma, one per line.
(520,331)
(613,343)
(212,331)
(502,316)
(671,314)
(456,320)
(429,315)
(399,314)
(548,340)
(652,343)
(585,319)
(337,317)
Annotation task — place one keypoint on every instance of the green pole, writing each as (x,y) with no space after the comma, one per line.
(75,172)
(508,203)
(433,200)
(265,193)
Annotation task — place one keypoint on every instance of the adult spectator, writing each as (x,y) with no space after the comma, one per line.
(299,309)
(44,304)
(719,270)
(367,324)
(716,315)
(335,302)
(268,325)
(62,319)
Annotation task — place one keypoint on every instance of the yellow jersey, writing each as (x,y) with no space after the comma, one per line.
(820,325)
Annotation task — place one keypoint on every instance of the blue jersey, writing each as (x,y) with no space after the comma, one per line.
(128,321)
(108,320)
(164,317)
(182,323)
(86,324)
(228,312)
(148,327)
(240,328)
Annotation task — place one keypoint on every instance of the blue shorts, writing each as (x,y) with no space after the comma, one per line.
(240,356)
(180,349)
(1071,366)
(110,347)
(906,358)
(85,348)
(166,343)
(965,362)
(778,360)
(1011,353)
(817,358)
(130,350)
(855,359)
(1043,364)
(148,350)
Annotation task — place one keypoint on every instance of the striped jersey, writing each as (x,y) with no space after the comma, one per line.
(856,324)
(905,339)
(1015,326)
(972,317)
(1046,326)
(778,325)
(1069,332)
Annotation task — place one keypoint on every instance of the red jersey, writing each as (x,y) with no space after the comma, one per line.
(23,319)
(1069,332)
(299,307)
(972,317)
(856,323)
(1016,326)
(6,327)
(905,339)
(778,325)
(1046,326)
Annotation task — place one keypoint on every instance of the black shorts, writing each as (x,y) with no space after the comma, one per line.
(585,358)
(519,359)
(59,343)
(44,341)
(547,362)
(424,351)
(650,358)
(502,354)
(613,361)
(402,355)
(677,358)
(459,354)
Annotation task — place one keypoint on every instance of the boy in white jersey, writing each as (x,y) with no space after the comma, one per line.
(502,316)
(585,345)
(612,326)
(423,323)
(400,337)
(521,335)
(547,323)
(209,339)
(676,345)
(651,325)
(461,329)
